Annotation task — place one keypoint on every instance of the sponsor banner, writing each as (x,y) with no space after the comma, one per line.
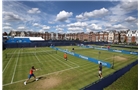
(84,57)
(124,51)
(89,46)
(114,50)
(101,48)
(135,53)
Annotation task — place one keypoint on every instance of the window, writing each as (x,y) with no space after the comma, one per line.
(136,38)
(129,39)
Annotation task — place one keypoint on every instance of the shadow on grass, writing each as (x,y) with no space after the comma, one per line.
(39,78)
(42,78)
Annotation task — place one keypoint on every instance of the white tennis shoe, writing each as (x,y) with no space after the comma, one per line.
(24,83)
(36,79)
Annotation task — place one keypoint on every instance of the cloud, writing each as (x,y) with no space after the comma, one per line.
(45,27)
(137,24)
(75,29)
(77,24)
(41,31)
(6,24)
(34,10)
(80,17)
(119,14)
(116,27)
(7,28)
(36,24)
(129,5)
(115,17)
(88,30)
(51,22)
(96,13)
(21,28)
(119,26)
(63,16)
(62,26)
(21,9)
(130,19)
(124,7)
(93,14)
(59,29)
(94,27)
(10,16)
(108,25)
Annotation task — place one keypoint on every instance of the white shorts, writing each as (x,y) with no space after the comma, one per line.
(100,72)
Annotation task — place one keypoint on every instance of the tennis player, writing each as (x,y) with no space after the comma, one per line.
(100,71)
(65,56)
(31,75)
(72,49)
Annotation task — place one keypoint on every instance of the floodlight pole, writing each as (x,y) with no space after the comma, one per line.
(113,61)
(99,54)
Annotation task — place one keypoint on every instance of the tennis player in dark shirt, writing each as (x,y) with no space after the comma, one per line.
(100,70)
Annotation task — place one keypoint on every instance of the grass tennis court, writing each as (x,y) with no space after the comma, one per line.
(54,72)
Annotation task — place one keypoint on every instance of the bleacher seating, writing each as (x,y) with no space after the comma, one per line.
(23,39)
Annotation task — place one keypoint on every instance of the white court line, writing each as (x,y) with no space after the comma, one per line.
(38,59)
(27,64)
(35,62)
(53,57)
(61,61)
(15,67)
(34,52)
(43,75)
(8,62)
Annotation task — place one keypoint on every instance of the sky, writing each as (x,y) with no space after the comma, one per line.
(69,16)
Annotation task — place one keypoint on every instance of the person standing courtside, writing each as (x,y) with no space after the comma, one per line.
(100,70)
(65,56)
(72,49)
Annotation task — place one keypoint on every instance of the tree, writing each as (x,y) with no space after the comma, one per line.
(85,39)
(77,39)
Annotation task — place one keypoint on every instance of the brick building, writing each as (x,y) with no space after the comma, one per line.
(127,36)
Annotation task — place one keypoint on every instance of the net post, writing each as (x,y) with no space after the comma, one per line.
(113,61)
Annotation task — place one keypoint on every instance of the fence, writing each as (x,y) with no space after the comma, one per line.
(106,81)
(47,43)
